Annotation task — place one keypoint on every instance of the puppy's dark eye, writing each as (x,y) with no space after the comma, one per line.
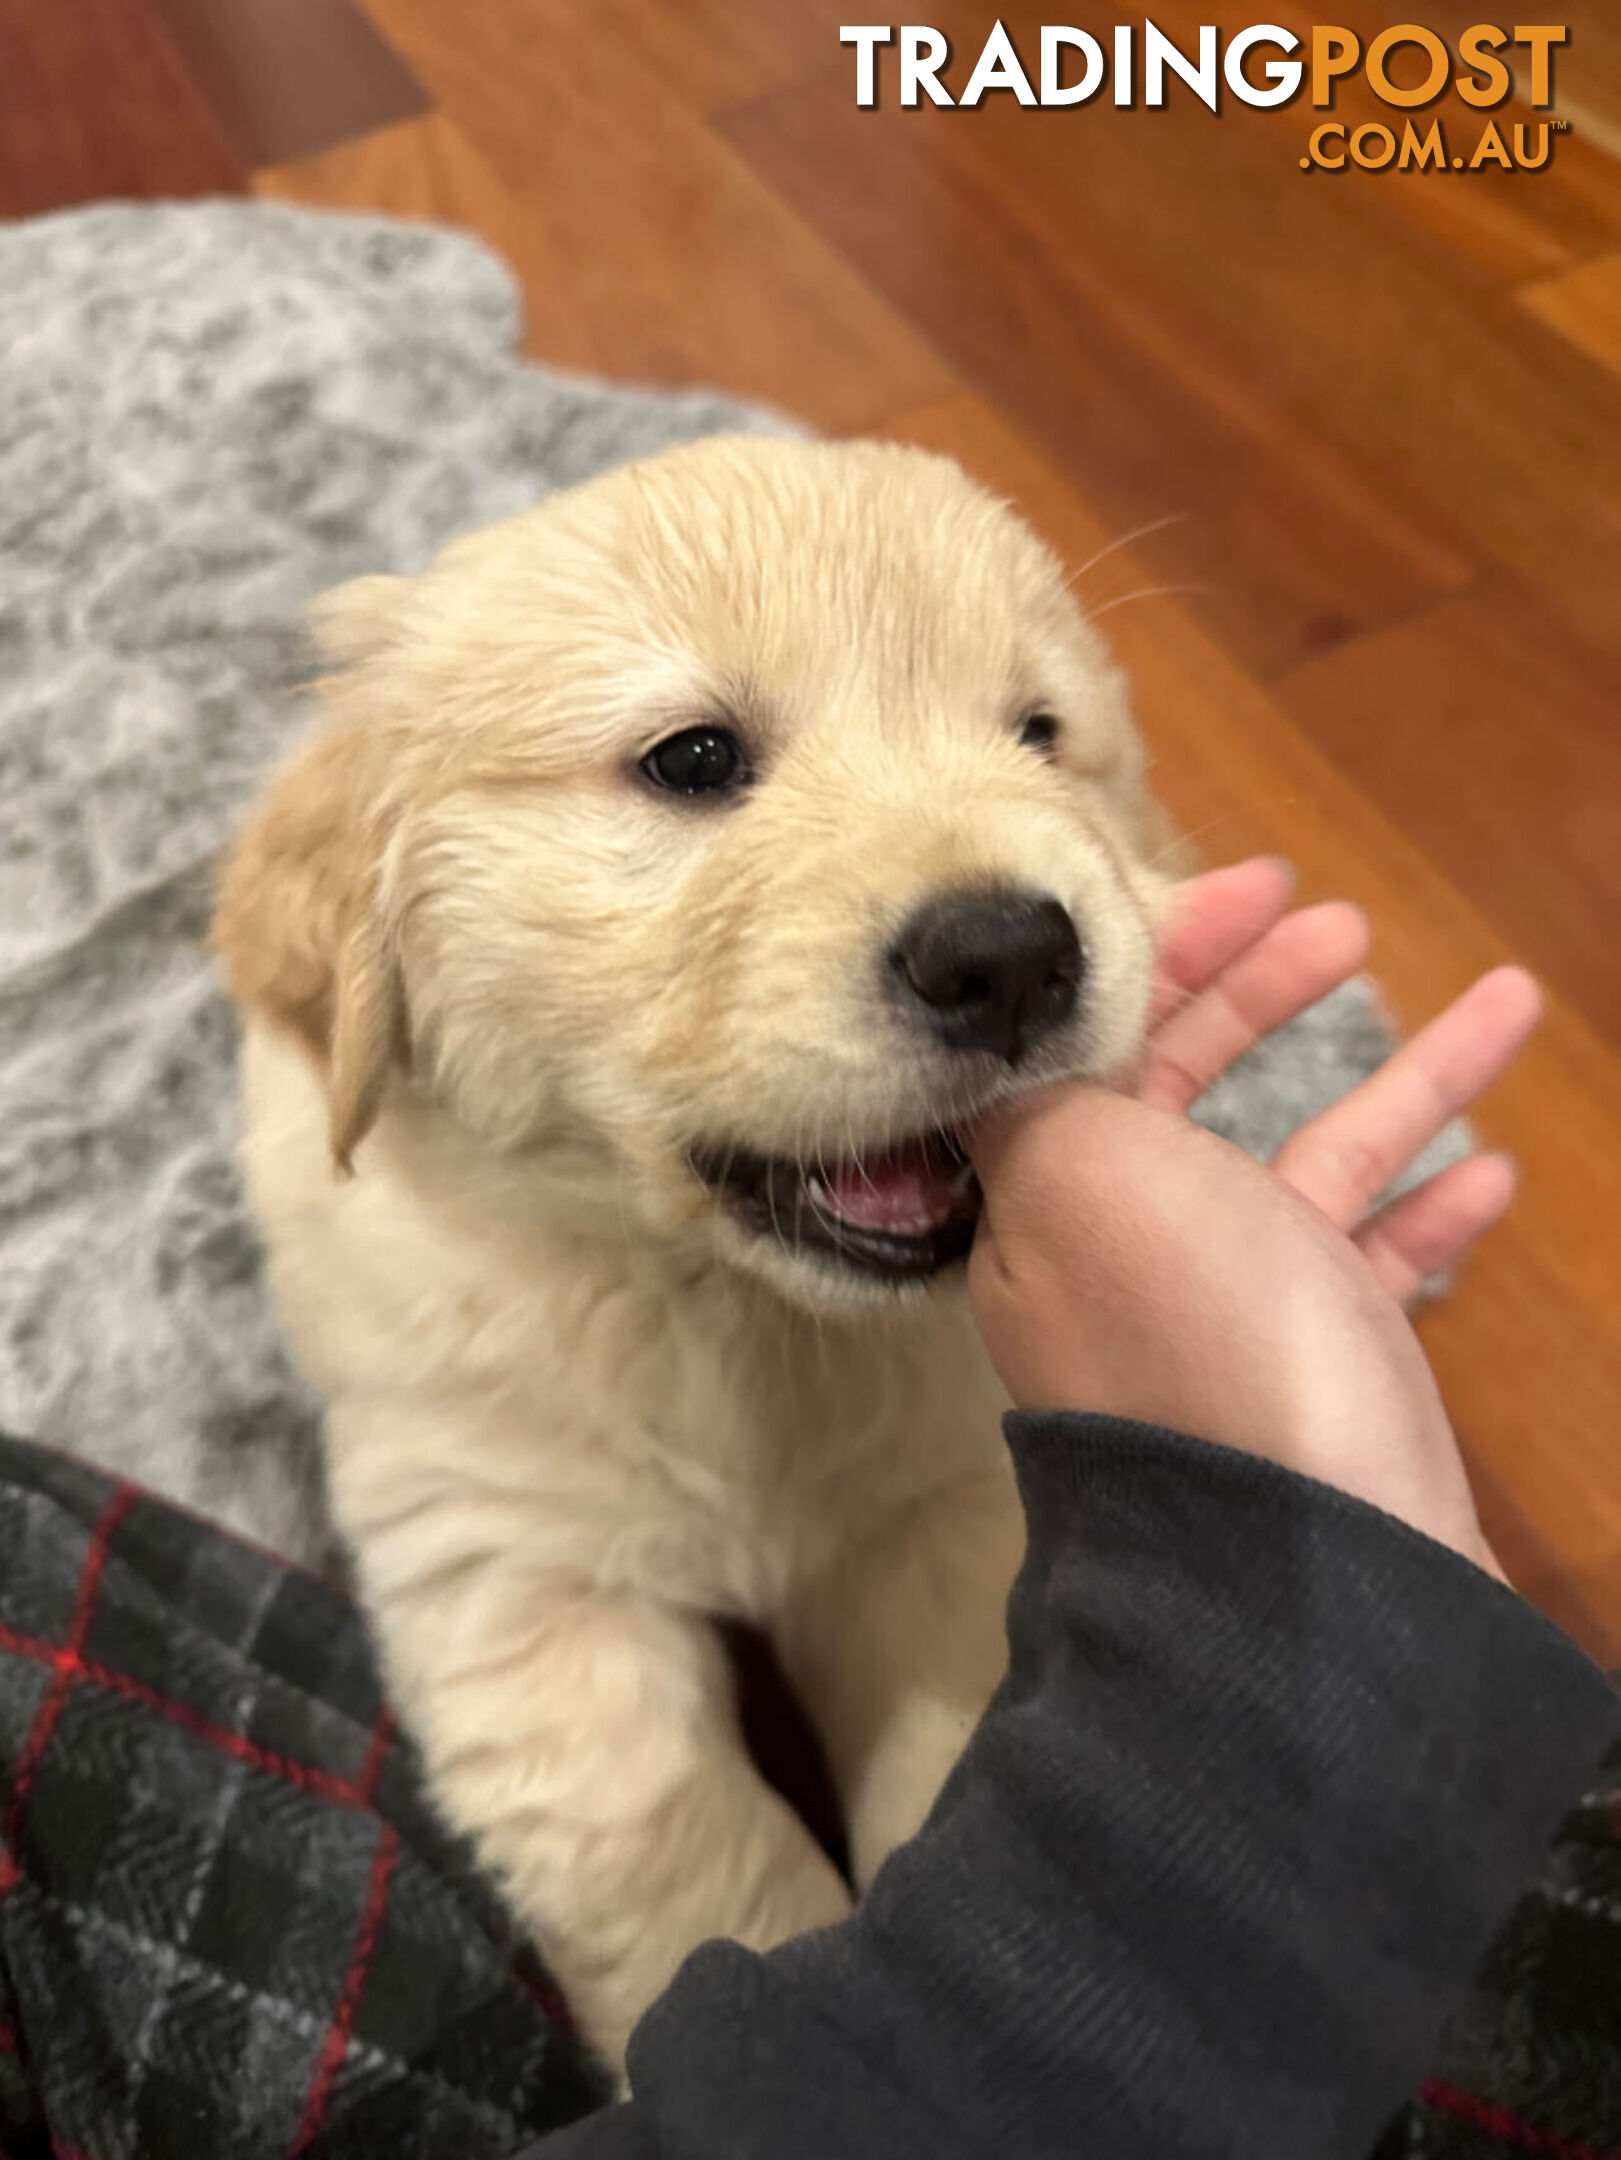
(1039,731)
(698,761)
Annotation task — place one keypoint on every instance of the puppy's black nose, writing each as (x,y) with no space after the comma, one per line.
(990,970)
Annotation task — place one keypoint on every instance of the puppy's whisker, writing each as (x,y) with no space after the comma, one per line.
(1140,532)
(1147,592)
(801,1157)
(1216,824)
(804,1170)
(776,1223)
(821,1170)
(860,1158)
(1183,840)
(856,1157)
(729,1165)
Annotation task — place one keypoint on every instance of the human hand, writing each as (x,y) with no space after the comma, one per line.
(1129,1262)
(1234,965)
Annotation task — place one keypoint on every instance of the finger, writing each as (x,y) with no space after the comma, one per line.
(1344,1159)
(1214,918)
(1433,1227)
(1298,961)
(988,1139)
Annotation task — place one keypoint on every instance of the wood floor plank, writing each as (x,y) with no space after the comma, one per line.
(1389,345)
(1592,168)
(1501,762)
(1574,1602)
(1491,222)
(1528,1348)
(1585,307)
(714,52)
(95,101)
(428,169)
(1506,223)
(675,262)
(289,77)
(1516,226)
(1354,328)
(1290,549)
(1587,70)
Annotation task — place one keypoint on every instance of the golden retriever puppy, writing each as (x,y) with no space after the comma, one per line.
(679,864)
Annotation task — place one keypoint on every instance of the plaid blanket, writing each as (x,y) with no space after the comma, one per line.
(231,1928)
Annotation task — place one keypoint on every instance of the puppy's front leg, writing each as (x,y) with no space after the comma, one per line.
(588,1741)
(897,1649)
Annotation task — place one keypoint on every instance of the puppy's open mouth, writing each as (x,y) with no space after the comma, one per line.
(900,1215)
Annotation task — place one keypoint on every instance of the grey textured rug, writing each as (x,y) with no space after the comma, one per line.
(208,414)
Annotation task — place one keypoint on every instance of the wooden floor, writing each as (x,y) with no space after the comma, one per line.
(1366,429)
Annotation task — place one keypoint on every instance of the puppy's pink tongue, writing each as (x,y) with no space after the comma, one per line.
(908,1191)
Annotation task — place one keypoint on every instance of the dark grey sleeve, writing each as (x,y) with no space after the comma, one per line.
(1267,1769)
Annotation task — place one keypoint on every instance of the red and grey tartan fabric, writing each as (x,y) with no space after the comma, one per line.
(230,1928)
(1531,2068)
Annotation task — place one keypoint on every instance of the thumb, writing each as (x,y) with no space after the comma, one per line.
(1055,1162)
(1057,1118)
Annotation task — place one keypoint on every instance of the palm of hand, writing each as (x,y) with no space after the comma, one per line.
(1235,964)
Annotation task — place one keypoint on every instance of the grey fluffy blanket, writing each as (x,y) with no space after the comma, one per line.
(207,415)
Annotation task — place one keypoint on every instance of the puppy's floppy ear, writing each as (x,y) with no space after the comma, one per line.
(368,1034)
(360,622)
(298,926)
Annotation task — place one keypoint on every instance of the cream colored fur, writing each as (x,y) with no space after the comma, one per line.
(575,1409)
